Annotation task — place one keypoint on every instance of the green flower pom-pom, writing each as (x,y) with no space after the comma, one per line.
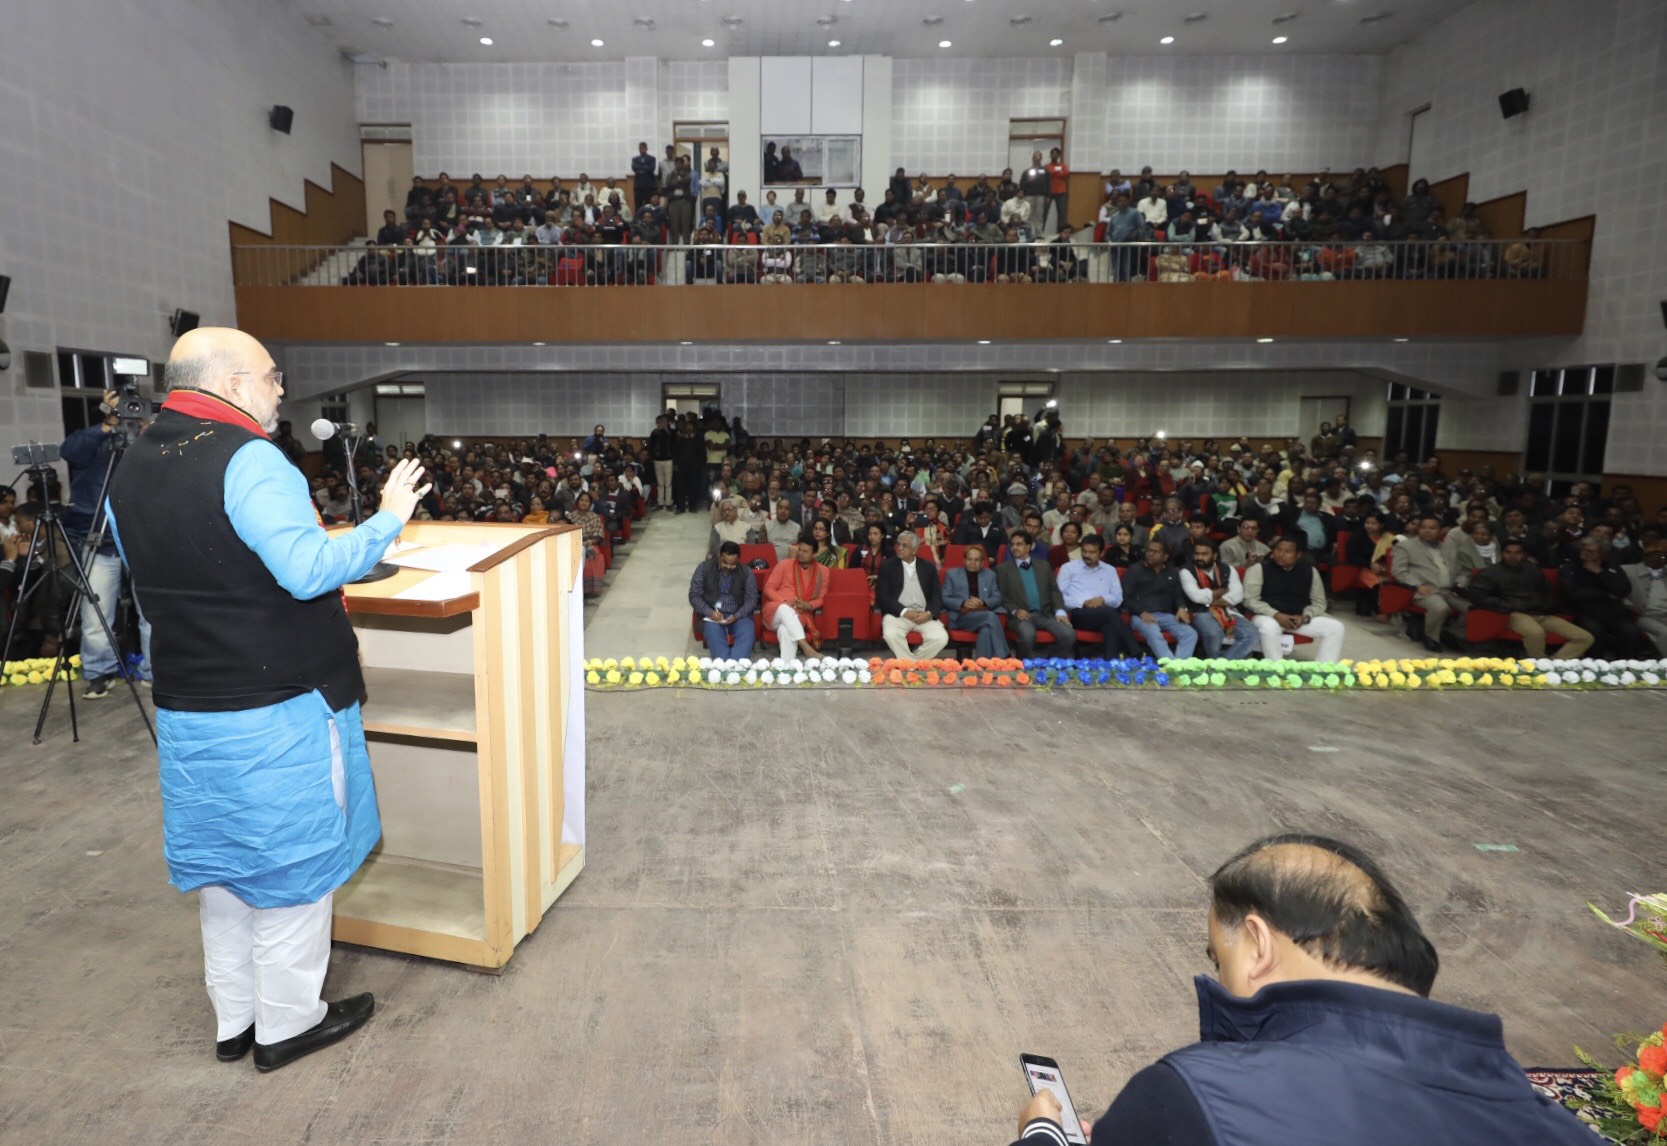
(1218,679)
(1253,680)
(1333,682)
(1183,681)
(1293,681)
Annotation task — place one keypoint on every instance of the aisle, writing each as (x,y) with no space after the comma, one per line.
(646,608)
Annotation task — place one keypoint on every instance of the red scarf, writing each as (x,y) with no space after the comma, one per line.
(212,408)
(1224,616)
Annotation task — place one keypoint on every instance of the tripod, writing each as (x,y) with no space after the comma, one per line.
(50,532)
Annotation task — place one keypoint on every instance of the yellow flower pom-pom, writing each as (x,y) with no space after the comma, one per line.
(37,677)
(651,678)
(610,663)
(675,676)
(1414,682)
(593,677)
(18,678)
(75,661)
(1526,665)
(634,678)
(1485,680)
(1466,679)
(1397,678)
(1383,681)
(614,677)
(678,664)
(627,663)
(1447,676)
(662,664)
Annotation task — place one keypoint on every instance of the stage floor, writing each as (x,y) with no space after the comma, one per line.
(839,917)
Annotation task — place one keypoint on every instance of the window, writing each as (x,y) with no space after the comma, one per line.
(334,407)
(696,139)
(689,397)
(1568,424)
(83,369)
(400,390)
(824,160)
(1411,422)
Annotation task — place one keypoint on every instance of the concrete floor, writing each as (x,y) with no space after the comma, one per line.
(837,917)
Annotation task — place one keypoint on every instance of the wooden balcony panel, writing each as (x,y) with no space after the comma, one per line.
(916,312)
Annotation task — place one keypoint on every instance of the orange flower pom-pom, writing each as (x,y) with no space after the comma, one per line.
(951,677)
(987,679)
(895,676)
(1022,678)
(874,664)
(1649,1117)
(932,676)
(1653,1061)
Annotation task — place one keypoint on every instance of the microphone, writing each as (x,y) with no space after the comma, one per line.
(324,429)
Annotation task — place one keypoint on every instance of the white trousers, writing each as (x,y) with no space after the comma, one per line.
(266,965)
(933,638)
(1326,631)
(786,625)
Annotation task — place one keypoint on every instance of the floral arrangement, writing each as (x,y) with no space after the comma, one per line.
(36,670)
(1631,1106)
(1427,673)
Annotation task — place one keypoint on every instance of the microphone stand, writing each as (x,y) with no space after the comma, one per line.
(350,445)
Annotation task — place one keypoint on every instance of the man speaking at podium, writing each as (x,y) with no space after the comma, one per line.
(267,799)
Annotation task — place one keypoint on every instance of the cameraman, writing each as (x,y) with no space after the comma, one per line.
(87,452)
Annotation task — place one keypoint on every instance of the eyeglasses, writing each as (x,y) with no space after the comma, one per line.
(276,377)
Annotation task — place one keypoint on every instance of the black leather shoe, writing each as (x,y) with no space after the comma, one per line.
(234,1048)
(340,1020)
(1432,646)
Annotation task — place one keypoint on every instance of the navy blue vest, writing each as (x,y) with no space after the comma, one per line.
(1321,1063)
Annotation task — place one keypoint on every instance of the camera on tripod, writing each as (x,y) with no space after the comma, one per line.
(131,406)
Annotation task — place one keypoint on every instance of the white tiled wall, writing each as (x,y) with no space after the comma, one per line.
(692,90)
(1203,113)
(1594,141)
(129,134)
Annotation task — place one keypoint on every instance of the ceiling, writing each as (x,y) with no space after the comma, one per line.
(527,30)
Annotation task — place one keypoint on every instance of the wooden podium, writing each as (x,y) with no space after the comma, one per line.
(474,719)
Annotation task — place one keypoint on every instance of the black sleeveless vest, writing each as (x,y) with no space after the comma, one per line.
(1288,590)
(225,636)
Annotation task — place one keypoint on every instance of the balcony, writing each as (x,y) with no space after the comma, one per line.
(913,292)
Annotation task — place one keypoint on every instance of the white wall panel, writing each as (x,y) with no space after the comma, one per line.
(836,95)
(784,95)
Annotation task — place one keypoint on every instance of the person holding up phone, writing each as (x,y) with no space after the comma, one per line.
(1319,1019)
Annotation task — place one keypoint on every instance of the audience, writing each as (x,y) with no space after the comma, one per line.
(582,234)
(1319,1027)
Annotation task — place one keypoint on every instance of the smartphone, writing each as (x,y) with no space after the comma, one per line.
(1043,1074)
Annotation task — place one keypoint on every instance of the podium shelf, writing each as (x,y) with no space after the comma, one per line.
(412,702)
(411,895)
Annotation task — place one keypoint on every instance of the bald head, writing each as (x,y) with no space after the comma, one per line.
(228,364)
(1329,900)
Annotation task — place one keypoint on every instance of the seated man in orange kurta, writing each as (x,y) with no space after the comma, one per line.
(792,595)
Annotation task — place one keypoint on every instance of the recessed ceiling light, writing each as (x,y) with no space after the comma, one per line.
(596,43)
(983,342)
(833,342)
(1400,340)
(833,43)
(1114,341)
(538,344)
(487,40)
(1167,40)
(1055,42)
(946,43)
(1264,340)
(382,21)
(685,344)
(390,344)
(707,43)
(1280,39)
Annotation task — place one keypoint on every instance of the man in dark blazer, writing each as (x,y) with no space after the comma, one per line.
(981,527)
(1032,602)
(909,599)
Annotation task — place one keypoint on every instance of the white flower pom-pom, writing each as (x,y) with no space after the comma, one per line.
(1650,678)
(751,677)
(765,676)
(714,676)
(849,676)
(733,678)
(1610,679)
(864,676)
(1589,676)
(1629,678)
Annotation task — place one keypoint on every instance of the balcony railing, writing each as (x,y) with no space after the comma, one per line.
(674,265)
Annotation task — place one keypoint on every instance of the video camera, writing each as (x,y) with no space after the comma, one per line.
(131,406)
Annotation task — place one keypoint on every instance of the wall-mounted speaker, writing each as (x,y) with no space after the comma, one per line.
(1513,102)
(182,321)
(281,118)
(1510,381)
(3,304)
(6,286)
(1661,369)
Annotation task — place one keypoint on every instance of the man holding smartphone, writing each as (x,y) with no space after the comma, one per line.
(1319,1019)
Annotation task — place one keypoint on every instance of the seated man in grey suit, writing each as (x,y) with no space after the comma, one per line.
(1031,597)
(1649,593)
(1420,564)
(973,601)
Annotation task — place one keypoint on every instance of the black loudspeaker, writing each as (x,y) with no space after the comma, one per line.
(3,303)
(281,117)
(182,321)
(6,288)
(1513,102)
(1510,381)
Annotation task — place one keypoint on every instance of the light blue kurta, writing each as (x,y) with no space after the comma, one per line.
(249,800)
